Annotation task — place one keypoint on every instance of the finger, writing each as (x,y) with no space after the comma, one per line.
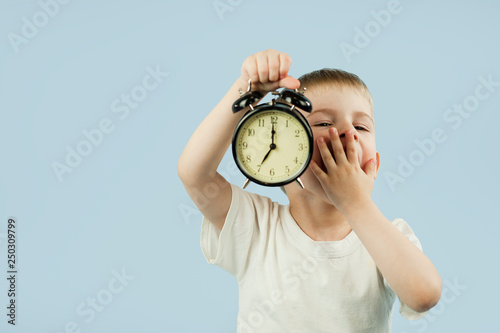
(317,171)
(249,69)
(338,149)
(285,63)
(262,67)
(351,151)
(286,81)
(274,67)
(370,168)
(290,83)
(326,156)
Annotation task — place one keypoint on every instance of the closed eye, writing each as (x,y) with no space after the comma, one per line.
(359,128)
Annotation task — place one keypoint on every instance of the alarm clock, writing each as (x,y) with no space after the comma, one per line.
(272,144)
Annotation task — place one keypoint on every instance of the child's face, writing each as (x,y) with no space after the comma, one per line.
(345,109)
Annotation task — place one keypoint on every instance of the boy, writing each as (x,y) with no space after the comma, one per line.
(329,261)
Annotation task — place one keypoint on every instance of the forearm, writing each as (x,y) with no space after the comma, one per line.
(210,141)
(407,269)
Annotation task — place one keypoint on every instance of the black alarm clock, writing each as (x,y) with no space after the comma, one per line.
(273,143)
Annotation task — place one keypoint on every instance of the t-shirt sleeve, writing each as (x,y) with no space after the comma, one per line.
(404,309)
(232,247)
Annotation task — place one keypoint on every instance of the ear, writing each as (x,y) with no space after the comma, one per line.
(378,165)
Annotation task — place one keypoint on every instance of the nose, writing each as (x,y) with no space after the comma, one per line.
(343,134)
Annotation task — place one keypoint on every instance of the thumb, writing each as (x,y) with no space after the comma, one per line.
(289,82)
(371,167)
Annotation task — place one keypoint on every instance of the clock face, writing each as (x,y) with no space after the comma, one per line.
(273,147)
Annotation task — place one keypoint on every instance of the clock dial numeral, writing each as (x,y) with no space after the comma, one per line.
(248,158)
(274,119)
(244,145)
(287,169)
(271,172)
(301,147)
(261,122)
(259,166)
(297,133)
(251,132)
(296,160)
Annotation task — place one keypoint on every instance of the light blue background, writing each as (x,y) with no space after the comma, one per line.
(124,207)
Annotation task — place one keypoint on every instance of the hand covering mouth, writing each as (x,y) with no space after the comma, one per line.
(330,149)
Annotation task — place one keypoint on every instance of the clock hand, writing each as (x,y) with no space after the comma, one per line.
(272,136)
(272,146)
(265,157)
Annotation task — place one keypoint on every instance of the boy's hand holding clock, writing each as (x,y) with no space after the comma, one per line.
(273,143)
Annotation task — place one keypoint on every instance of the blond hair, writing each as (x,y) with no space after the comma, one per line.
(322,78)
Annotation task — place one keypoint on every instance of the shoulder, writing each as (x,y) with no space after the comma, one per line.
(249,206)
(401,224)
(241,196)
(406,230)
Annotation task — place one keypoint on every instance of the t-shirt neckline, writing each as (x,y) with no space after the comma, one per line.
(319,249)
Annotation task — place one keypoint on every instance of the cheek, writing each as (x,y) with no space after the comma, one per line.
(369,152)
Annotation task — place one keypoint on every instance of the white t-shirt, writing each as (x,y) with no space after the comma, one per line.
(290,283)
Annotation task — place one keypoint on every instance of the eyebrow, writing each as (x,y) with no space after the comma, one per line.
(356,113)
